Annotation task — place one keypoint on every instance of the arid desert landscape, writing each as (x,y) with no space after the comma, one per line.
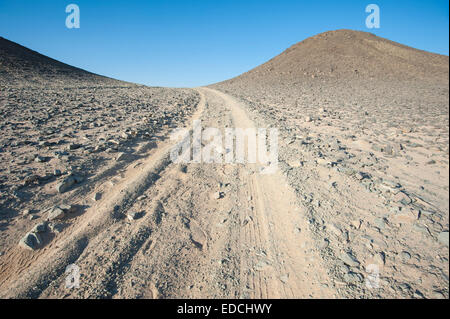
(358,208)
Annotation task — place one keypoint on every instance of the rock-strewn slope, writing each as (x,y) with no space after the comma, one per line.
(364,122)
(20,66)
(64,132)
(347,55)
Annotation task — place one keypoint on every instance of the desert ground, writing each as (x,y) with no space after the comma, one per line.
(358,208)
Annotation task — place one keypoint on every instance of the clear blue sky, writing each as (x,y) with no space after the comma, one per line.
(191,43)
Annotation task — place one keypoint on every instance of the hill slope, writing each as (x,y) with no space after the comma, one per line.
(364,141)
(22,66)
(347,55)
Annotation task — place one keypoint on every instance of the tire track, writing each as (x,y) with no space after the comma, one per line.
(285,268)
(47,265)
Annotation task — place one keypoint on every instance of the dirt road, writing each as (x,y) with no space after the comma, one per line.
(202,230)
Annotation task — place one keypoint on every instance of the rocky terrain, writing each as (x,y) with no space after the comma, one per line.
(65,132)
(365,125)
(358,209)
